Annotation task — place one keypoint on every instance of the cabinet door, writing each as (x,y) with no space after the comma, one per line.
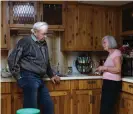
(81,102)
(61,101)
(17,102)
(95,101)
(23,14)
(4,26)
(69,42)
(126,104)
(6,104)
(84,40)
(98,27)
(112,23)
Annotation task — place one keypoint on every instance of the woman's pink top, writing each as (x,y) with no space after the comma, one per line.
(109,63)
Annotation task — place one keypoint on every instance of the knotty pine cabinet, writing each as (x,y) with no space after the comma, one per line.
(6,104)
(23,14)
(88,25)
(126,99)
(78,28)
(5,98)
(69,96)
(86,95)
(52,13)
(5,33)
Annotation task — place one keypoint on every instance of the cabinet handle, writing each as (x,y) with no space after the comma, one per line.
(122,103)
(131,86)
(91,82)
(5,38)
(92,99)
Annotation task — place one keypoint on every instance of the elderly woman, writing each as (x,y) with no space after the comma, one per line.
(111,75)
(28,63)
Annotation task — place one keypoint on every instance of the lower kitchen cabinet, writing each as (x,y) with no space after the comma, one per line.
(6,104)
(81,102)
(61,101)
(95,101)
(69,97)
(17,102)
(86,101)
(126,104)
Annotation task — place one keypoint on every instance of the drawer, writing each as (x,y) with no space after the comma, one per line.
(127,87)
(5,87)
(64,85)
(86,84)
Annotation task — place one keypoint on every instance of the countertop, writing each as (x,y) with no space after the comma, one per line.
(72,77)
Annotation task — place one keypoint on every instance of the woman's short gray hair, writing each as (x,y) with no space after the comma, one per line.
(38,26)
(111,41)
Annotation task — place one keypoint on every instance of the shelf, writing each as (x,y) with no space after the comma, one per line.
(29,26)
(127,33)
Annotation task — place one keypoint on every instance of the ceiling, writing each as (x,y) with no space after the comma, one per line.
(107,2)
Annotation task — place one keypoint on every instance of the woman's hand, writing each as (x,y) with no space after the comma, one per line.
(101,68)
(55,79)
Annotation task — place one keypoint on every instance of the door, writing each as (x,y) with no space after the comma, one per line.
(61,101)
(23,14)
(17,102)
(95,101)
(81,103)
(126,104)
(6,104)
(99,30)
(85,39)
(5,34)
(71,28)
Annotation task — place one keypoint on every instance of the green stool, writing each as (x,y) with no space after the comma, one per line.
(28,111)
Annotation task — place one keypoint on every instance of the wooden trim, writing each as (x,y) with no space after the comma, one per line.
(21,26)
(29,26)
(52,2)
(60,93)
(127,33)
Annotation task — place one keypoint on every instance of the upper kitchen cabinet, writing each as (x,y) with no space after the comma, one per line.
(85,24)
(23,14)
(99,24)
(127,19)
(5,33)
(78,29)
(69,41)
(53,14)
(106,21)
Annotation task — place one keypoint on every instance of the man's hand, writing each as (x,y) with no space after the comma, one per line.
(55,79)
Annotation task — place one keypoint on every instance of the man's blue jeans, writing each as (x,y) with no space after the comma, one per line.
(35,92)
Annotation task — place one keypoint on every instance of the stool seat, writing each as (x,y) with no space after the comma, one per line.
(28,111)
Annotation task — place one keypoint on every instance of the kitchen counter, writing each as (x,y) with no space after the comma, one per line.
(69,77)
(72,77)
(128,79)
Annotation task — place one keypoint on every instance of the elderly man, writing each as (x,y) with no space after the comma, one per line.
(28,63)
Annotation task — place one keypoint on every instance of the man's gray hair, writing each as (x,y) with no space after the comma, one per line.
(111,41)
(38,26)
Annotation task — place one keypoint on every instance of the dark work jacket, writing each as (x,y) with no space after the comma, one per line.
(30,55)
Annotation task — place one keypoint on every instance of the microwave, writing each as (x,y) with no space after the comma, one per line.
(127,67)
